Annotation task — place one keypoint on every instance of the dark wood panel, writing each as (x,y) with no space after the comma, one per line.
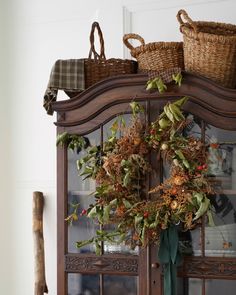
(206,99)
(106,264)
(209,267)
(61,213)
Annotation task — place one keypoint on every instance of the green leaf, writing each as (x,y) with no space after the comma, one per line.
(98,249)
(199,197)
(151,84)
(204,206)
(186,163)
(87,170)
(125,163)
(160,85)
(121,238)
(106,213)
(180,154)
(127,204)
(210,218)
(177,78)
(122,122)
(93,150)
(137,220)
(153,225)
(164,123)
(100,232)
(93,212)
(100,217)
(180,102)
(62,138)
(169,114)
(177,113)
(126,179)
(136,108)
(172,133)
(143,234)
(84,243)
(114,202)
(114,128)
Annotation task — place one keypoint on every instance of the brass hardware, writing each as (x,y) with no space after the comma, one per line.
(155,265)
(100,263)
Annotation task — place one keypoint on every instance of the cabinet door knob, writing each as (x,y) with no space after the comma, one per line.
(155,265)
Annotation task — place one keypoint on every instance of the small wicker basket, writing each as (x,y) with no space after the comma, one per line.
(209,49)
(98,67)
(156,56)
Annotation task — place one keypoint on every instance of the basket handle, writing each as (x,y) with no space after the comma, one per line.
(183,14)
(132,36)
(92,50)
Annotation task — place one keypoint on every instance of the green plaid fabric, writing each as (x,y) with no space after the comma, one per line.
(65,75)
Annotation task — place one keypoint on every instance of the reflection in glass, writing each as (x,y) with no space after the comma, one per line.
(119,247)
(117,285)
(218,287)
(187,286)
(82,229)
(222,157)
(193,286)
(220,239)
(80,191)
(190,242)
(112,247)
(83,284)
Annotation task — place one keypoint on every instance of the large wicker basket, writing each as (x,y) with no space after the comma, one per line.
(155,56)
(98,67)
(209,49)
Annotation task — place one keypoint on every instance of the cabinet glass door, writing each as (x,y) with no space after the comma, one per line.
(116,270)
(214,246)
(220,240)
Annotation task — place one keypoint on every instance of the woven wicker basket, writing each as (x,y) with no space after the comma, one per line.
(99,68)
(209,49)
(156,56)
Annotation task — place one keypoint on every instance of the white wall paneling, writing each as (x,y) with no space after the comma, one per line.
(156,20)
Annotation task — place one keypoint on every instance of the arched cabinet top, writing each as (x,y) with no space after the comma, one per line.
(96,105)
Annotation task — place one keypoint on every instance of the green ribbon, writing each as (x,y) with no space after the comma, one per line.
(169,257)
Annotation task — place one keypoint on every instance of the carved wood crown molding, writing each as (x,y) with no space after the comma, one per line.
(207,100)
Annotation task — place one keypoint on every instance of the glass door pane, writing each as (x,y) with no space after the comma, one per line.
(108,246)
(79,284)
(83,284)
(80,192)
(220,239)
(117,285)
(190,286)
(219,287)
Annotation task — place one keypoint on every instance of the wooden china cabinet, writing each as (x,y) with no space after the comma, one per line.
(209,263)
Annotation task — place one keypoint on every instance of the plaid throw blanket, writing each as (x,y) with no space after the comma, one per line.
(66,75)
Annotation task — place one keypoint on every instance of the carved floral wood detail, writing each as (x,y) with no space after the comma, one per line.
(102,264)
(201,267)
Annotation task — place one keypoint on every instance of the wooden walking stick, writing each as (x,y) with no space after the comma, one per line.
(40,286)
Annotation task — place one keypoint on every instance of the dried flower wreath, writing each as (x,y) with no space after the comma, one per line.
(120,168)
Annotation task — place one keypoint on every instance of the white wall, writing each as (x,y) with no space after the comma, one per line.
(36,33)
(5,219)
